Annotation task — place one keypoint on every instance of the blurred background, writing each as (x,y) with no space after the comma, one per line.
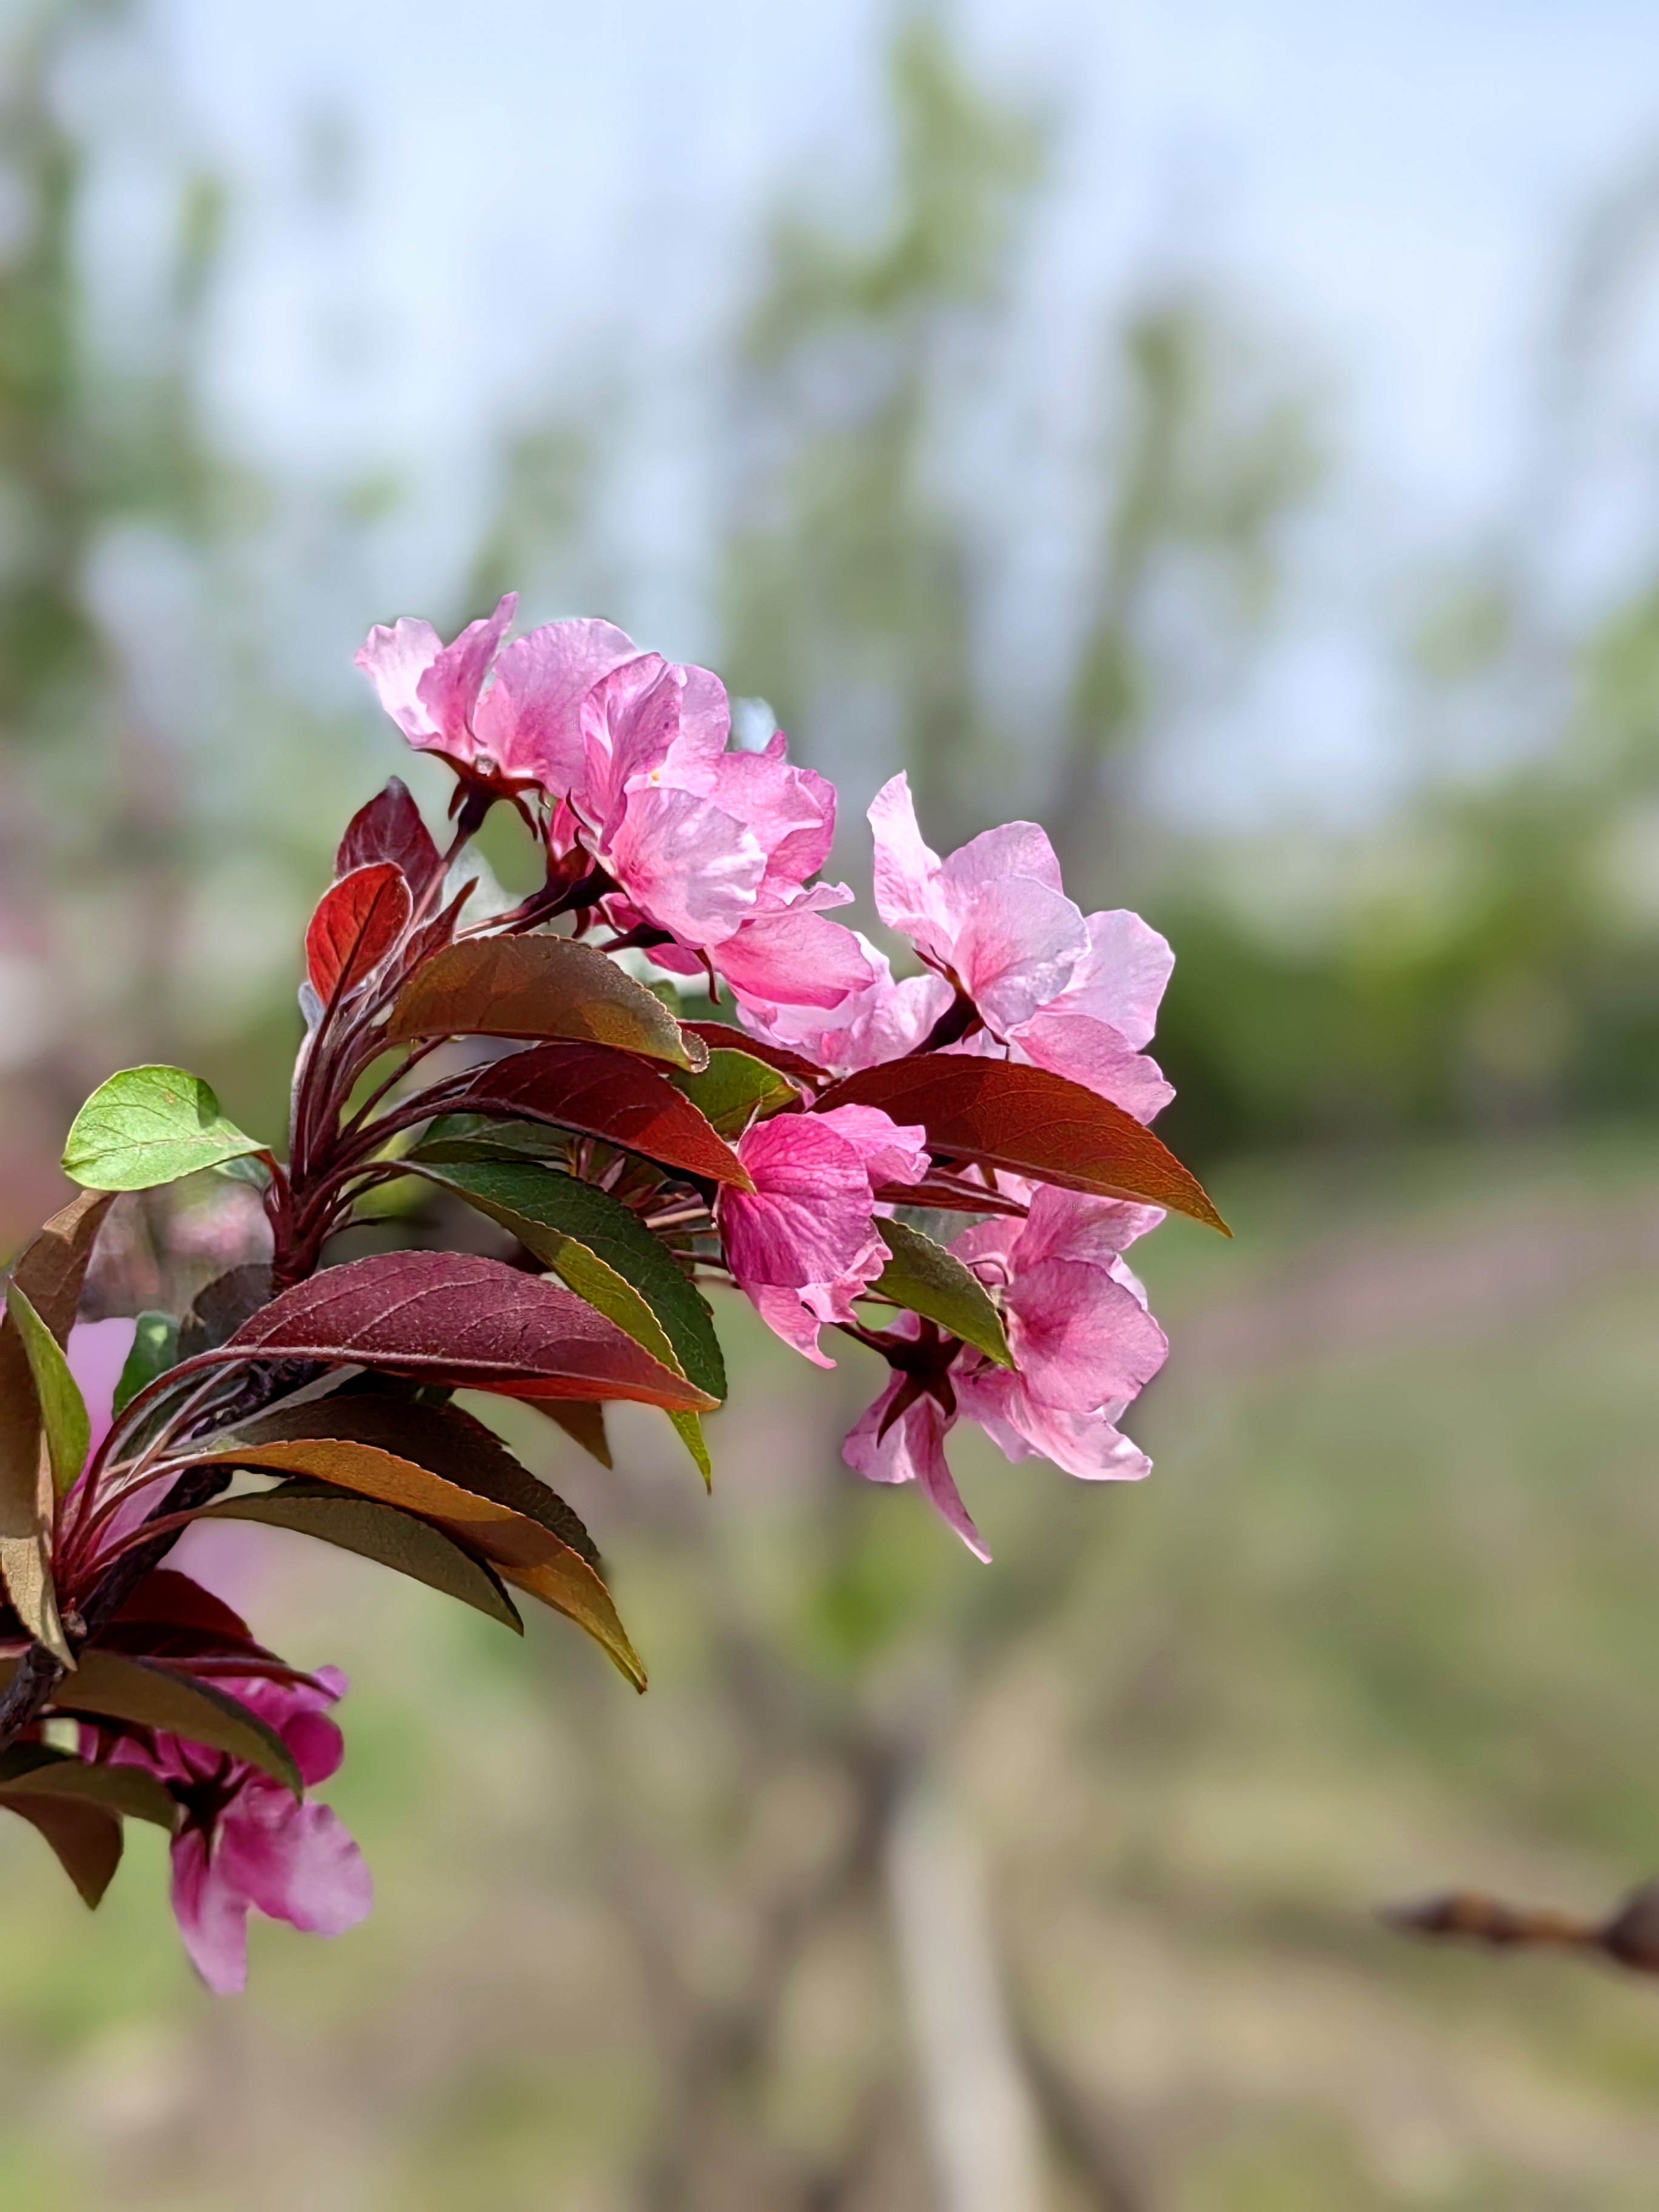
(1228,432)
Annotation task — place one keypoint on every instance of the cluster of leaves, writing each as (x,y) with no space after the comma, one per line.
(526,1073)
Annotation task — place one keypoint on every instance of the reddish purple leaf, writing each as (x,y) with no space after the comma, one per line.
(1029,1122)
(432,936)
(949,1194)
(607,1094)
(167,1598)
(474,1324)
(727,1036)
(389,827)
(358,922)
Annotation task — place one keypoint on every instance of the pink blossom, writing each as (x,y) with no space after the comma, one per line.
(792,957)
(712,846)
(1083,1341)
(248,1842)
(804,1244)
(908,1445)
(877,1019)
(1077,995)
(520,733)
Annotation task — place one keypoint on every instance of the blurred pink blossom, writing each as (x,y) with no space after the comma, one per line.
(248,1842)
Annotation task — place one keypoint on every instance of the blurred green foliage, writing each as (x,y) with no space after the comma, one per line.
(1483,956)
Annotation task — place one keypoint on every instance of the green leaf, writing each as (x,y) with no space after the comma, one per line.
(108,1684)
(149,1126)
(607,1256)
(34,1770)
(87,1839)
(155,1349)
(931,1281)
(63,1409)
(254,1170)
(50,1274)
(379,1532)
(547,1211)
(735,1088)
(481,1137)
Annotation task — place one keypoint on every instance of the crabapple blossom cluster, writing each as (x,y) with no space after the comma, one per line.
(667,1072)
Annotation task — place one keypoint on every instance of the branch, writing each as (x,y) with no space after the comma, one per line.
(1629,1935)
(38,1672)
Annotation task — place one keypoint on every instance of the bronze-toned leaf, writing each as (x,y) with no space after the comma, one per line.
(380,1533)
(605,1254)
(389,827)
(467,1323)
(610,1095)
(539,987)
(582,1423)
(53,1268)
(546,1209)
(524,1552)
(441,1439)
(108,1686)
(35,1770)
(87,1839)
(358,922)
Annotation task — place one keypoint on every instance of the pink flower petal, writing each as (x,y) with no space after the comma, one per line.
(1016,947)
(907,896)
(1086,1445)
(1098,1057)
(808,1219)
(1081,1339)
(787,1315)
(629,720)
(530,719)
(790,811)
(705,719)
(912,1450)
(795,958)
(295,1860)
(1016,849)
(212,1915)
(688,866)
(395,660)
(891,1151)
(449,689)
(1065,1225)
(1121,979)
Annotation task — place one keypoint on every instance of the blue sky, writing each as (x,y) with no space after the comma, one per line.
(544,187)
